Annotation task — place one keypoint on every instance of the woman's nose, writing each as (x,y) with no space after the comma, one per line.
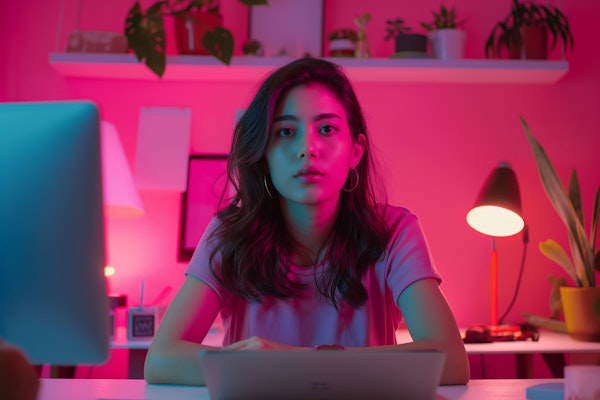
(308,145)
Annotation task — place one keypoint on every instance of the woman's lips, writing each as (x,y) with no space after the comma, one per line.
(309,175)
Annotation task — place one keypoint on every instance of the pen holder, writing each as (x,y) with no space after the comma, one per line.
(142,322)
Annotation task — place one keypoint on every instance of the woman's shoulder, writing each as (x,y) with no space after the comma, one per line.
(393,212)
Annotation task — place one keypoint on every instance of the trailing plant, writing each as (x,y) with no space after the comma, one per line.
(507,33)
(145,31)
(585,257)
(444,19)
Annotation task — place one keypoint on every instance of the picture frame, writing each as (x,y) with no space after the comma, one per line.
(292,26)
(206,191)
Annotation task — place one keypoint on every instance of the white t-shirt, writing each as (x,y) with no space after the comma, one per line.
(311,320)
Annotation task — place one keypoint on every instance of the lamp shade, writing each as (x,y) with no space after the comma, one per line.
(497,210)
(120,194)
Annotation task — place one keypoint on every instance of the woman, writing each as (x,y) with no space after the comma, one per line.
(306,254)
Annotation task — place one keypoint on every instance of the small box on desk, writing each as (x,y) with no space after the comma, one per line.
(142,322)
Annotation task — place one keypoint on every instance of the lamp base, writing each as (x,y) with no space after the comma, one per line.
(492,333)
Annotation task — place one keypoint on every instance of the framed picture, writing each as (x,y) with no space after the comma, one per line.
(292,28)
(206,185)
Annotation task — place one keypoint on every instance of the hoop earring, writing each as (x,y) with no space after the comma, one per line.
(355,183)
(267,187)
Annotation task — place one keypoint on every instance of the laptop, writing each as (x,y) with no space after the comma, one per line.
(347,375)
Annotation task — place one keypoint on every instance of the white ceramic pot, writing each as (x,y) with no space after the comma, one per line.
(447,44)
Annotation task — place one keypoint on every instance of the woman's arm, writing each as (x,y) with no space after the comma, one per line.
(432,327)
(431,324)
(173,354)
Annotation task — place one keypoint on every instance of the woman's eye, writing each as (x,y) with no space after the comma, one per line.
(327,129)
(285,132)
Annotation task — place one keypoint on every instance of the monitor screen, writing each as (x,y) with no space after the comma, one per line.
(53,302)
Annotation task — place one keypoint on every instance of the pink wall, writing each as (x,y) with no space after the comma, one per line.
(437,142)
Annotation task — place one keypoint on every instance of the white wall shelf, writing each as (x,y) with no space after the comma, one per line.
(208,68)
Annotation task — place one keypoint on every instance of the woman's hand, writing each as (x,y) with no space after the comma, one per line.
(256,343)
(18,378)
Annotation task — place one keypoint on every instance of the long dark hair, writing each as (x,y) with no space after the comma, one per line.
(252,240)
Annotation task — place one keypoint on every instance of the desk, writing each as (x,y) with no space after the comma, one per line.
(551,345)
(139,348)
(92,389)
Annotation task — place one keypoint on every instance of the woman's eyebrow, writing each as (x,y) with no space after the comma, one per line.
(317,117)
(285,118)
(326,116)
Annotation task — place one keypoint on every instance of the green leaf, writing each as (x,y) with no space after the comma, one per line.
(575,196)
(581,248)
(555,252)
(219,43)
(146,36)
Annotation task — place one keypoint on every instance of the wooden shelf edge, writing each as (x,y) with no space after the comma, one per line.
(208,68)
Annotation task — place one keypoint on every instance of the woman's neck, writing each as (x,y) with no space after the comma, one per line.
(310,227)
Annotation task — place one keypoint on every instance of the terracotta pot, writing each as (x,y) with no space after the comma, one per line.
(581,307)
(190,29)
(534,44)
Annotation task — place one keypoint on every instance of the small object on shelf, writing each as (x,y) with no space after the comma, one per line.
(253,47)
(362,44)
(342,42)
(96,42)
(409,45)
(445,34)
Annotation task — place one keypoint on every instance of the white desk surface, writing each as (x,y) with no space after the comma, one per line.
(129,389)
(549,342)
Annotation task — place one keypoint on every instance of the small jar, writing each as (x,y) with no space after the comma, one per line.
(341,48)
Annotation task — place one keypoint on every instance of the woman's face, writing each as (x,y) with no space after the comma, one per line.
(310,150)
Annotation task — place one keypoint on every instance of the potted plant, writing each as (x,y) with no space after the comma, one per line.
(198,27)
(524,31)
(581,304)
(445,34)
(342,42)
(406,44)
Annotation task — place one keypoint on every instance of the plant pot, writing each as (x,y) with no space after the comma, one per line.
(534,43)
(190,29)
(411,45)
(447,44)
(341,48)
(581,307)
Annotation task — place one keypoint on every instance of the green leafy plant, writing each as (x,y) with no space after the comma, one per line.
(343,33)
(445,18)
(145,31)
(585,258)
(395,28)
(507,33)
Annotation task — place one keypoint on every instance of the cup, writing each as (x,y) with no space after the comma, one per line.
(582,382)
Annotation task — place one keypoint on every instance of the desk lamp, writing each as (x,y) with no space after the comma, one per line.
(497,213)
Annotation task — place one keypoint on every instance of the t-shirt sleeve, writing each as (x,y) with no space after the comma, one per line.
(200,266)
(409,258)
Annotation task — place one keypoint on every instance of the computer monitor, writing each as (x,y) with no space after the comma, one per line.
(53,302)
